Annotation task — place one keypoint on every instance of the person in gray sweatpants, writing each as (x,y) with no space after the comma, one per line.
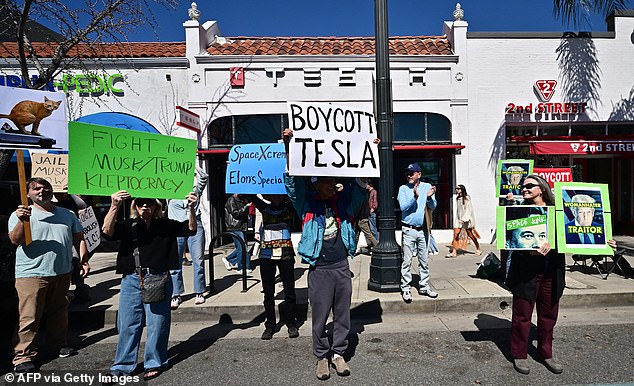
(328,238)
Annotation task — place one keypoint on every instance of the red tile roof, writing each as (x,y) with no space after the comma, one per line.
(104,50)
(404,45)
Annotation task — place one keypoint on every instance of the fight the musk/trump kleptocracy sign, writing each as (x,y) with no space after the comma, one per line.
(103,160)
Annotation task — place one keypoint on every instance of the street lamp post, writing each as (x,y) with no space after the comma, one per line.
(385,272)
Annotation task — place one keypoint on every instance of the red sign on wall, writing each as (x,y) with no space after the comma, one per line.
(553,175)
(236,76)
(582,147)
(545,89)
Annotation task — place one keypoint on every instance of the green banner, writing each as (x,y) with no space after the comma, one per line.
(525,222)
(103,160)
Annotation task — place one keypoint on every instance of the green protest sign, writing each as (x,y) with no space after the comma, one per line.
(103,160)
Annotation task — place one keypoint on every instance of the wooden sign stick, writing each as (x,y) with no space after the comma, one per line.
(23,196)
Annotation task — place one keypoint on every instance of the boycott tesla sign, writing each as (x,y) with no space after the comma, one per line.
(332,140)
(545,89)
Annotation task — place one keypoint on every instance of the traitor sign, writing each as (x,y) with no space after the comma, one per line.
(256,169)
(332,140)
(91,231)
(53,168)
(104,160)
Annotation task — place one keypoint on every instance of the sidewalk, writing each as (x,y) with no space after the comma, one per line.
(453,278)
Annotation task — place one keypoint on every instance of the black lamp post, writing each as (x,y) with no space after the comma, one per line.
(385,266)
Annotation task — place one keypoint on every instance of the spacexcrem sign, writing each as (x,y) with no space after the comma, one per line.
(545,89)
(83,84)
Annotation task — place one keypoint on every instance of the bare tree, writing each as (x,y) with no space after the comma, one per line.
(576,12)
(87,32)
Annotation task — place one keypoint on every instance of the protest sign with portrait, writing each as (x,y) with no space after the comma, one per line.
(332,140)
(510,177)
(256,169)
(103,160)
(583,218)
(524,227)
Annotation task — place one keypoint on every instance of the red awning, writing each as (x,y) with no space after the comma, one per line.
(428,147)
(582,147)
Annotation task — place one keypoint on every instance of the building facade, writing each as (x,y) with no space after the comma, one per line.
(462,100)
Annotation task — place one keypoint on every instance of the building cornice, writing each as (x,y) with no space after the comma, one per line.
(136,63)
(540,35)
(209,59)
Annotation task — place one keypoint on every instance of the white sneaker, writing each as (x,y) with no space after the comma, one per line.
(428,292)
(407,296)
(239,272)
(176,301)
(200,299)
(227,263)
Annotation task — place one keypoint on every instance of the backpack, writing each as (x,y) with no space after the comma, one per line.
(488,266)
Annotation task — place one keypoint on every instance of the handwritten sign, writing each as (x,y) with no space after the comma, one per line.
(92,233)
(103,160)
(332,140)
(257,168)
(51,167)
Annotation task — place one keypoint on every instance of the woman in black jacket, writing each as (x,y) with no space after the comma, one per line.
(535,277)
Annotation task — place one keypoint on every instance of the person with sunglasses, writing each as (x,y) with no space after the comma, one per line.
(535,278)
(155,238)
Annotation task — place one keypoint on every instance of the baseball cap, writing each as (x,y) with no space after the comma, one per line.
(413,168)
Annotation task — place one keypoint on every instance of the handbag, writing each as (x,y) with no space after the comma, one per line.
(153,287)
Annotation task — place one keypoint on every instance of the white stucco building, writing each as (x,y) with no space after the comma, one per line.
(455,101)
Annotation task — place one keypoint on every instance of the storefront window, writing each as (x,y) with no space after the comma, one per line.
(263,128)
(421,127)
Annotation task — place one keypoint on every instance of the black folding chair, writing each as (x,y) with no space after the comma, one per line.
(604,265)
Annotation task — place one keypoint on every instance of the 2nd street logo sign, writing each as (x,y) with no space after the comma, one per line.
(545,89)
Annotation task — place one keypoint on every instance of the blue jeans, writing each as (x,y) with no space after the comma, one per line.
(373,227)
(131,318)
(196,245)
(414,243)
(432,244)
(235,257)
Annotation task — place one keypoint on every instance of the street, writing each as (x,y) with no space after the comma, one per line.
(595,346)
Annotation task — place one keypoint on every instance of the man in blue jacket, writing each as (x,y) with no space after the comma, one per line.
(328,238)
(417,201)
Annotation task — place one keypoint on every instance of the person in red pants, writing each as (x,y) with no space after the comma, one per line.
(535,277)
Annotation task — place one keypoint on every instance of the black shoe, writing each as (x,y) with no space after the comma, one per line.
(293,332)
(80,295)
(267,334)
(187,263)
(66,352)
(25,367)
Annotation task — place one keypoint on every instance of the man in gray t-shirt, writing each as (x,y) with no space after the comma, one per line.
(43,270)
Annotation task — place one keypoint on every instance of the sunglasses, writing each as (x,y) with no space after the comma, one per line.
(141,203)
(529,186)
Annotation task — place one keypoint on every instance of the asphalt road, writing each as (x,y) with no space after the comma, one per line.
(595,346)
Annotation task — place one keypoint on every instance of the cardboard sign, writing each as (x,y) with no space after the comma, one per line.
(32,119)
(91,231)
(525,227)
(584,222)
(103,160)
(51,167)
(256,169)
(332,140)
(510,177)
